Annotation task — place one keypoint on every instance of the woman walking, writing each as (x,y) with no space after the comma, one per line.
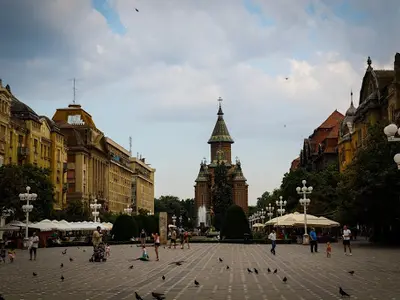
(156,238)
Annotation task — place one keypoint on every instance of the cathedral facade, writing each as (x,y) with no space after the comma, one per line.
(220,150)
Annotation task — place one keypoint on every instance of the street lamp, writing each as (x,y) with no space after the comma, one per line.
(27,208)
(5,213)
(180,220)
(281,203)
(174,219)
(95,206)
(262,216)
(270,210)
(128,210)
(390,132)
(305,202)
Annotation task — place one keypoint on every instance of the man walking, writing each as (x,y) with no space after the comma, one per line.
(313,241)
(272,237)
(143,238)
(346,239)
(33,246)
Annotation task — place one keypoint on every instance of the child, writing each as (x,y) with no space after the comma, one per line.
(11,255)
(328,249)
(108,250)
(2,253)
(145,256)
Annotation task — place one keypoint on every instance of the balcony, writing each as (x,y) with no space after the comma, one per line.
(23,152)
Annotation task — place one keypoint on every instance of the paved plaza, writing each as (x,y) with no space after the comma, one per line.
(310,276)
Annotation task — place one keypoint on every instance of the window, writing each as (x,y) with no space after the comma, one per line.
(71,187)
(20,141)
(59,155)
(71,174)
(11,139)
(35,145)
(71,158)
(2,132)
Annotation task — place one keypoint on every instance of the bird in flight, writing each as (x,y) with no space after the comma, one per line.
(286,78)
(136,10)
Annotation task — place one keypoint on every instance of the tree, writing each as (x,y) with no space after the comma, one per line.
(76,211)
(290,181)
(370,187)
(267,198)
(235,223)
(15,178)
(221,194)
(173,206)
(124,228)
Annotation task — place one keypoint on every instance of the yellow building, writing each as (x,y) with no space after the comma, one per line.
(379,100)
(119,178)
(87,157)
(5,116)
(31,139)
(142,185)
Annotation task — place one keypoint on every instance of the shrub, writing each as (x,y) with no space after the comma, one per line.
(124,228)
(235,224)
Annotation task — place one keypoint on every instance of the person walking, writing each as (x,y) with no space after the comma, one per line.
(33,246)
(143,238)
(272,237)
(313,241)
(173,239)
(346,239)
(156,238)
(97,237)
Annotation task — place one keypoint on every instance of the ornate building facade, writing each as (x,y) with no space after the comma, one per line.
(321,148)
(220,150)
(379,100)
(142,185)
(26,137)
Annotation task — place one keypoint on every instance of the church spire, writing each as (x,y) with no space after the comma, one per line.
(220,133)
(352,110)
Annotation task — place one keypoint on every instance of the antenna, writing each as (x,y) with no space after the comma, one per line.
(130,145)
(74,89)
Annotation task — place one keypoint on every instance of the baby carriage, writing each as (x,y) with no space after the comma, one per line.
(99,253)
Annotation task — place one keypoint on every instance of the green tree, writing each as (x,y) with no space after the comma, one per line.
(173,206)
(221,194)
(267,198)
(370,188)
(124,228)
(235,223)
(290,182)
(76,211)
(15,178)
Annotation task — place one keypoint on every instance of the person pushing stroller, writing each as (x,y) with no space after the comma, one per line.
(98,246)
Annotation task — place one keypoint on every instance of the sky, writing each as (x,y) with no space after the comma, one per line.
(156,74)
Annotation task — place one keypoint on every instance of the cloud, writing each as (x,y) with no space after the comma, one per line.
(162,74)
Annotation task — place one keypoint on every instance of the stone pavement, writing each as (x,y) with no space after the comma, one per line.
(310,276)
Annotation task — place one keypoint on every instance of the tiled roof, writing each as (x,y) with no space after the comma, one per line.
(220,132)
(335,118)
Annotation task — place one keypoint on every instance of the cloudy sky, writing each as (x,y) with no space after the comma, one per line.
(156,74)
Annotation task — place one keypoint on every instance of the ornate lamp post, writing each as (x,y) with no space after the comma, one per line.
(281,203)
(305,202)
(270,210)
(95,207)
(150,213)
(180,220)
(128,210)
(5,213)
(262,216)
(27,208)
(174,219)
(390,132)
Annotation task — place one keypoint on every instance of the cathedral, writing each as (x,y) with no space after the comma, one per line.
(220,147)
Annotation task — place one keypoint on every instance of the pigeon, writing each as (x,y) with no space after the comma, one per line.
(227,267)
(84,250)
(178,263)
(220,259)
(343,293)
(275,271)
(64,252)
(196,282)
(62,278)
(131,267)
(34,274)
(255,271)
(158,296)
(284,279)
(250,271)
(62,265)
(138,297)
(136,10)
(351,272)
(269,270)
(71,259)
(163,278)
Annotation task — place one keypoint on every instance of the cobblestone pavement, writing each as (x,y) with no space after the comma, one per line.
(310,276)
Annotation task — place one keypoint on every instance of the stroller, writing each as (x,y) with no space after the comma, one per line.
(99,253)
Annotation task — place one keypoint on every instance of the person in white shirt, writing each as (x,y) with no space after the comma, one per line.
(272,237)
(33,246)
(346,239)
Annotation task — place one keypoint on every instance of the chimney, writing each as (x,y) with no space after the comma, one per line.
(143,160)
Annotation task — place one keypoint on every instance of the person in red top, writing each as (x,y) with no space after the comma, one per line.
(185,239)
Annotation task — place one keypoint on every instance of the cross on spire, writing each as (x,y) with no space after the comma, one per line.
(351,96)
